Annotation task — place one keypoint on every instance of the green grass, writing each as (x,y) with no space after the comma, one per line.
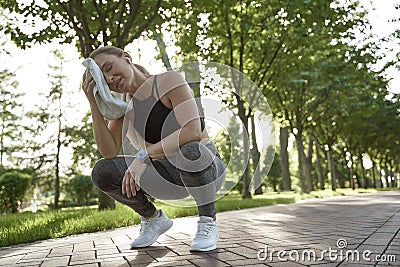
(28,227)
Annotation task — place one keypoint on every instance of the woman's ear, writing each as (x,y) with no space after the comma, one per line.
(128,57)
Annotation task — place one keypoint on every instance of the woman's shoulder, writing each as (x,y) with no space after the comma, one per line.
(170,80)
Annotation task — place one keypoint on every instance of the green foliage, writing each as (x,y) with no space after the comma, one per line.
(82,189)
(13,186)
(10,112)
(89,23)
(275,174)
(230,148)
(80,138)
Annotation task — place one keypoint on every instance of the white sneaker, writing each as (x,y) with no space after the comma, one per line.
(151,229)
(206,236)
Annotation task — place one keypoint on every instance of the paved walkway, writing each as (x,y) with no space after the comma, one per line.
(318,232)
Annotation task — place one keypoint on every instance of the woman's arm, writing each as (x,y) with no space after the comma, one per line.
(187,115)
(108,138)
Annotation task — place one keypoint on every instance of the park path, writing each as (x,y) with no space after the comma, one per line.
(316,232)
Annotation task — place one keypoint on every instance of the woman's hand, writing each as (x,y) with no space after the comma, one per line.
(88,84)
(131,180)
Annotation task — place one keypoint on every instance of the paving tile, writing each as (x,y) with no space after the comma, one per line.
(244,251)
(36,255)
(172,263)
(246,262)
(285,264)
(30,262)
(119,263)
(83,257)
(103,253)
(87,265)
(61,251)
(140,259)
(208,261)
(105,241)
(84,246)
(56,261)
(10,260)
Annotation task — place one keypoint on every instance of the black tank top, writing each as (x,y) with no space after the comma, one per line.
(153,120)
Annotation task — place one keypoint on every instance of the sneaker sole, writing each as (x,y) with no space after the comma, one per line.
(203,249)
(163,229)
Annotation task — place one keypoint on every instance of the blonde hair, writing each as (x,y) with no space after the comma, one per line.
(112,50)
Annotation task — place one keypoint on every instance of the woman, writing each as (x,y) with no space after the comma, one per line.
(175,158)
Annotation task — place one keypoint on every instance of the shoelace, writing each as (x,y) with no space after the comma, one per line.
(144,225)
(204,229)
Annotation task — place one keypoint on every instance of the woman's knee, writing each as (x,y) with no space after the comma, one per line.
(194,157)
(191,150)
(103,173)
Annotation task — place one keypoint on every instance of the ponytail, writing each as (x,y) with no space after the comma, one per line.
(141,69)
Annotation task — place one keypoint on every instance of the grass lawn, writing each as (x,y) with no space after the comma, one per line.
(27,227)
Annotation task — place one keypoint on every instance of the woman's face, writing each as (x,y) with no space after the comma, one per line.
(117,71)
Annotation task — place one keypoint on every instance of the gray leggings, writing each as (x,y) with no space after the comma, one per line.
(197,171)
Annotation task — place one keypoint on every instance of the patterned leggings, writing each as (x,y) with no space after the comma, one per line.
(197,170)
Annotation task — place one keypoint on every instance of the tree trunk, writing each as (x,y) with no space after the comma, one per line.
(373,174)
(387,177)
(57,181)
(246,153)
(192,76)
(1,146)
(162,49)
(305,182)
(339,177)
(308,161)
(331,165)
(255,156)
(320,171)
(283,138)
(246,149)
(351,174)
(105,202)
(363,179)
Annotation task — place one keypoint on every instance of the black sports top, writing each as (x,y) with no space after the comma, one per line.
(153,120)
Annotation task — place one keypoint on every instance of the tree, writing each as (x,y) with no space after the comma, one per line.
(47,130)
(310,35)
(55,97)
(80,138)
(82,189)
(13,186)
(274,174)
(88,24)
(274,44)
(10,127)
(229,146)
(234,43)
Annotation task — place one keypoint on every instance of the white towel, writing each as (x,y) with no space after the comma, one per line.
(109,104)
